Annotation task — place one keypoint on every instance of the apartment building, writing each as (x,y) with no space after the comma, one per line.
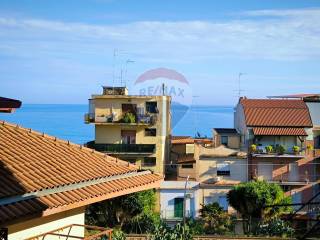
(211,172)
(133,128)
(278,134)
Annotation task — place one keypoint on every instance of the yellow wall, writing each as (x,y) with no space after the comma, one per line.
(42,225)
(111,132)
(207,168)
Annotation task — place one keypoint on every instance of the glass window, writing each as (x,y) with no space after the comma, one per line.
(187,166)
(149,161)
(150,132)
(223,169)
(151,107)
(224,140)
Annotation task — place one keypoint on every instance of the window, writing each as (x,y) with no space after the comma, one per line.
(187,165)
(128,136)
(223,202)
(151,107)
(150,132)
(223,169)
(224,140)
(149,162)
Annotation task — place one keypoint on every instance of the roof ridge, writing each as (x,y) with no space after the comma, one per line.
(67,142)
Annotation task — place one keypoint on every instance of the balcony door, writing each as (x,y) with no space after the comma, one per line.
(293,172)
(128,136)
(131,108)
(265,170)
(178,207)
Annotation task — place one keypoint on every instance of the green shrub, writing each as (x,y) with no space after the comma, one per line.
(275,227)
(117,234)
(215,219)
(129,118)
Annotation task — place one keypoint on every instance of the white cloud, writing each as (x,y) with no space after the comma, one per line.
(276,35)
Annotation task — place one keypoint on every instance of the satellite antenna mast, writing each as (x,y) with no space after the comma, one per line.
(113,65)
(239,84)
(126,71)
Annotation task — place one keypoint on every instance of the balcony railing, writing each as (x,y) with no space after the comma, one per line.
(123,148)
(175,215)
(140,119)
(261,150)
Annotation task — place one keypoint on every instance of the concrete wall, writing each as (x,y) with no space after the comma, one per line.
(233,140)
(168,195)
(286,170)
(111,132)
(212,194)
(240,125)
(207,168)
(42,225)
(314,109)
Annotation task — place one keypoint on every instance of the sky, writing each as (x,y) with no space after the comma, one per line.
(63,51)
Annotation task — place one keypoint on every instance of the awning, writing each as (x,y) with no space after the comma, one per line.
(279,131)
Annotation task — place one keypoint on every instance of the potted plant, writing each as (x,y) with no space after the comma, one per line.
(129,118)
(253,148)
(269,149)
(281,149)
(296,149)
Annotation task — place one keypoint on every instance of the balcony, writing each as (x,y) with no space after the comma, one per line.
(139,119)
(123,148)
(278,151)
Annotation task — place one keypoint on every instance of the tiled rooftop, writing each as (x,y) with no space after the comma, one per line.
(279,131)
(276,113)
(54,173)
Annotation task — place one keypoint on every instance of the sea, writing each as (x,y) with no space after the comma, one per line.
(66,121)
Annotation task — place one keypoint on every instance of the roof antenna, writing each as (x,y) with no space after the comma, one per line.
(239,83)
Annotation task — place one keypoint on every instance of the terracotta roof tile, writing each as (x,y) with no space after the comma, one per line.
(57,173)
(279,131)
(276,113)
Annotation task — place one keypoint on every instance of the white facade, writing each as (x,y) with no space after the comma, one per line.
(172,190)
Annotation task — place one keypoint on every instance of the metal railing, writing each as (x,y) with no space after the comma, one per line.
(122,148)
(175,215)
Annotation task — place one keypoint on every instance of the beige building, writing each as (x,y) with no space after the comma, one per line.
(212,172)
(133,128)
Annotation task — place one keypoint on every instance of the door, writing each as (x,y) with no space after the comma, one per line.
(128,136)
(265,170)
(178,207)
(293,172)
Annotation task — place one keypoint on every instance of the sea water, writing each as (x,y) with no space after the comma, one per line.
(66,121)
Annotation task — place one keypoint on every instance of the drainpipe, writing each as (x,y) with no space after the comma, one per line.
(184,202)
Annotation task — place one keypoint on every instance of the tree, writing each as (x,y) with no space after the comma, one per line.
(252,198)
(216,220)
(131,213)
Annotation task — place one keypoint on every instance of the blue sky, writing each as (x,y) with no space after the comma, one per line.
(62,51)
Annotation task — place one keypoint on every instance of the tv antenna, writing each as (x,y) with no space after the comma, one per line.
(239,83)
